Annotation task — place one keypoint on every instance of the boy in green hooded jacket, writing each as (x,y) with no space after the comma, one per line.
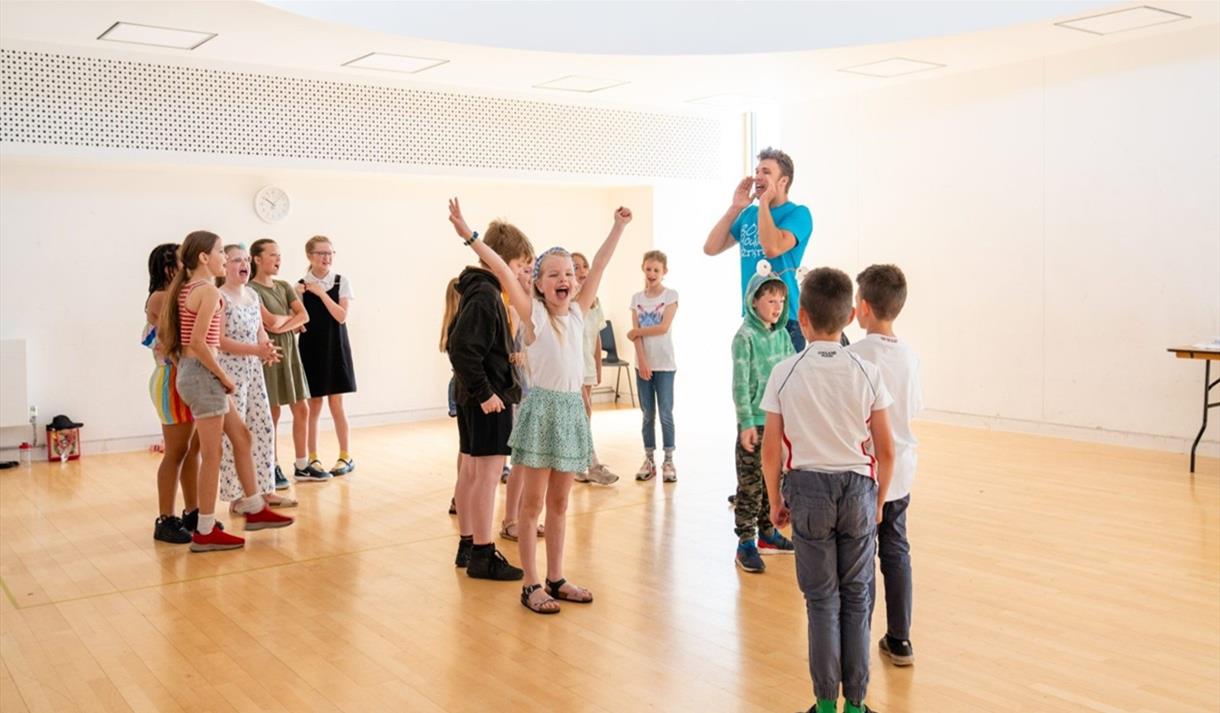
(761,342)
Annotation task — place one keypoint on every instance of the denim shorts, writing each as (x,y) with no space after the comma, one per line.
(200,389)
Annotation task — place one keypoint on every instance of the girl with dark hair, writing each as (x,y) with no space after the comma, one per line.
(180,460)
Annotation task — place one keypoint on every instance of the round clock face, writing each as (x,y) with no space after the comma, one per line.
(271,204)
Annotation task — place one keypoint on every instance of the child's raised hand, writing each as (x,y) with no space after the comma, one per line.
(622,215)
(459,223)
(315,287)
(749,439)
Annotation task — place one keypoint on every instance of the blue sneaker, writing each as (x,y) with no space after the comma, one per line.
(748,559)
(774,543)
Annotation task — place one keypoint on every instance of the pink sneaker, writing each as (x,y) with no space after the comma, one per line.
(265,518)
(217,539)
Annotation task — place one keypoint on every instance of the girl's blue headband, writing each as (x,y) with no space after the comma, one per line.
(547,253)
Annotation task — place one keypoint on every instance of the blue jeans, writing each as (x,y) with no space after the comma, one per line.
(834,528)
(657,393)
(894,551)
(798,339)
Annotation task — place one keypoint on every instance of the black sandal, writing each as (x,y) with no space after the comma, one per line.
(527,590)
(557,593)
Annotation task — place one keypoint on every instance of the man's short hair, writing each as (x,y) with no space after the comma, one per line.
(884,287)
(784,160)
(508,241)
(826,298)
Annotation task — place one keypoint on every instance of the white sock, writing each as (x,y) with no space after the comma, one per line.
(252,504)
(206,522)
(300,463)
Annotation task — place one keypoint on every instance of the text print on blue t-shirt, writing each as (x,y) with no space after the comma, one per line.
(751,249)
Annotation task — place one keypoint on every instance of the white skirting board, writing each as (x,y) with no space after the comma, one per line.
(1209,446)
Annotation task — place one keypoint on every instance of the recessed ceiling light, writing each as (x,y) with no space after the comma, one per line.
(729,100)
(577,83)
(395,62)
(1133,18)
(155,36)
(894,67)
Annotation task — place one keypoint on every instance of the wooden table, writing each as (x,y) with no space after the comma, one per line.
(1208,356)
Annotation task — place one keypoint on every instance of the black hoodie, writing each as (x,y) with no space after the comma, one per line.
(479,341)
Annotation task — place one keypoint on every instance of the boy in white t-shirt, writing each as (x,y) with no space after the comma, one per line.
(881,295)
(828,428)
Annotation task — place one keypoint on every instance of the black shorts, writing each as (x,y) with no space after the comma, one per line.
(483,434)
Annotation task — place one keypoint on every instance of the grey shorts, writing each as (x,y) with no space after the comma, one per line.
(200,389)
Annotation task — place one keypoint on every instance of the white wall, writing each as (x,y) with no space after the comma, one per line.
(1059,223)
(75,236)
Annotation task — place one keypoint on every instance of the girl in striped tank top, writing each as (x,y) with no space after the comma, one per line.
(189,334)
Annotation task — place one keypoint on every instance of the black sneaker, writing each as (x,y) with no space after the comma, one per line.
(899,651)
(169,528)
(190,521)
(310,473)
(490,564)
(281,480)
(465,547)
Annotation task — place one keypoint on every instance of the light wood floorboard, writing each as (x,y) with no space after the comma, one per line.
(1050,576)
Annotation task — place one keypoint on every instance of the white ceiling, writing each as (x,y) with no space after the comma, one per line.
(665,27)
(254,35)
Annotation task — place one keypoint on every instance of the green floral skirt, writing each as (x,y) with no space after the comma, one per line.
(551,431)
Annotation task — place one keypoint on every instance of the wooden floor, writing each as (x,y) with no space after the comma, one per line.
(1050,576)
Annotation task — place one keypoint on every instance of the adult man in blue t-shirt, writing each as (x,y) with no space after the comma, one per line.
(776,230)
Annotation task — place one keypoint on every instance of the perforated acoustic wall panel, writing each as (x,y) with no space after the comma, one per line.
(103,103)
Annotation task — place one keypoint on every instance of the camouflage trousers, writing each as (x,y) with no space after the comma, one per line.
(751,508)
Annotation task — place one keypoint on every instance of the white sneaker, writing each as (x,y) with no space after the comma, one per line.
(601,475)
(582,477)
(669,474)
(647,471)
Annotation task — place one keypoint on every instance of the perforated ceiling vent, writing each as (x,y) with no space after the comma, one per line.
(64,100)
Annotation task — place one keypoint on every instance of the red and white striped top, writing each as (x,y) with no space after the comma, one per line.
(186,318)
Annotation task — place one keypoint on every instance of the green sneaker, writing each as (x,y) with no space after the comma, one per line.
(849,707)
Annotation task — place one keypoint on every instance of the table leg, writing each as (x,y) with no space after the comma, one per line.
(1207,377)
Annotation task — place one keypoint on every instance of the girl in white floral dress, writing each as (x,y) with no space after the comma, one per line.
(244,347)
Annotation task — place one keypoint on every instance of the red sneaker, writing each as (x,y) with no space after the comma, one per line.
(265,518)
(217,539)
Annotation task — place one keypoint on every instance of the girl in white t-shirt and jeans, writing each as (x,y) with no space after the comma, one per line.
(550,438)
(652,316)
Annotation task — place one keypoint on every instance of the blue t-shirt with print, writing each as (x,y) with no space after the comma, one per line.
(789,217)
